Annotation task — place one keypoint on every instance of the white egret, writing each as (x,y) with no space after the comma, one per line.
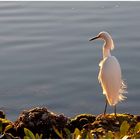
(110,76)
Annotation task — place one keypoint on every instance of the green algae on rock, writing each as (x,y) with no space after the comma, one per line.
(7,128)
(42,123)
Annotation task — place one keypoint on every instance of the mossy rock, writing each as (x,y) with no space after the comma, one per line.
(44,123)
(41,121)
(7,127)
(109,123)
(80,121)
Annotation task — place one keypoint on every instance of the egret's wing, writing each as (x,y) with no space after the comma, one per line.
(110,79)
(100,65)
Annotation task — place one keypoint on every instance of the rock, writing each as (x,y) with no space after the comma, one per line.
(7,126)
(41,121)
(80,121)
(109,122)
(2,114)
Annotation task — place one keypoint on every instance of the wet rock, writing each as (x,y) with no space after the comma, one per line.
(137,118)
(108,122)
(80,121)
(41,121)
(7,126)
(2,114)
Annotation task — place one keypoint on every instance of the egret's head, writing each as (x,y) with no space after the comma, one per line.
(102,35)
(106,37)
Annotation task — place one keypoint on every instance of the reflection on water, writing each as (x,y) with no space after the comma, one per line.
(47,60)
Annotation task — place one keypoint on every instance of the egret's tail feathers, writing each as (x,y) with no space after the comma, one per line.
(122,91)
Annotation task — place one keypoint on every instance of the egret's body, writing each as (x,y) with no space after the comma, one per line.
(110,76)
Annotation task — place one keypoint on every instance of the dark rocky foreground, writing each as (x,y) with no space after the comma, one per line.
(45,124)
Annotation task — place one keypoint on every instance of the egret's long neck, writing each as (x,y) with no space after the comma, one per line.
(106,49)
(106,52)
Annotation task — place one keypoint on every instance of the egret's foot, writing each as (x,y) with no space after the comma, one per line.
(104,114)
(105,107)
(115,115)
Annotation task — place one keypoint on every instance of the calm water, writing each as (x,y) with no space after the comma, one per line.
(47,60)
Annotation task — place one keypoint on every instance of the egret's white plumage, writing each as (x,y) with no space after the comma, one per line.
(110,79)
(110,76)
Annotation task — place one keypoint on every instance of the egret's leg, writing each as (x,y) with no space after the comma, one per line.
(105,107)
(115,111)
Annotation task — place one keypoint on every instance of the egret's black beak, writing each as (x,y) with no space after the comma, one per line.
(96,37)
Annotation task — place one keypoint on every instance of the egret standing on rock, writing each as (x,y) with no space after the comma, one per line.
(110,76)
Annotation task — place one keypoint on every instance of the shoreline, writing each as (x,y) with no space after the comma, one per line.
(41,123)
